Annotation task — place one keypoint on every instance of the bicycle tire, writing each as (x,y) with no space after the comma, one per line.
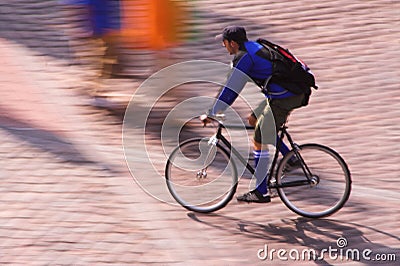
(208,193)
(332,178)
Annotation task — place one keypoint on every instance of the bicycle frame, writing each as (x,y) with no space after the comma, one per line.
(283,133)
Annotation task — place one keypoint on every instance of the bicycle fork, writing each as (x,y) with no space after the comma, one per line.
(211,151)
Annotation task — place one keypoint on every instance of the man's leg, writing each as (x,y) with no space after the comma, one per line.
(262,137)
(265,133)
(281,109)
(253,118)
(261,166)
(283,148)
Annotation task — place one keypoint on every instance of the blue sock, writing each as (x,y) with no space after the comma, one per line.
(261,163)
(282,146)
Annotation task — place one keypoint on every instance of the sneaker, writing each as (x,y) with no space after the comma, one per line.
(254,196)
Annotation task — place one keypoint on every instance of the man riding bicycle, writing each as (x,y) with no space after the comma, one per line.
(249,59)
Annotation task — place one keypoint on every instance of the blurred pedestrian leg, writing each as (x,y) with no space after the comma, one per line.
(94,33)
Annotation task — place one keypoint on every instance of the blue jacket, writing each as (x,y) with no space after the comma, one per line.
(248,64)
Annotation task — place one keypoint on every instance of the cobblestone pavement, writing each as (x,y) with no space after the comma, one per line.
(67,195)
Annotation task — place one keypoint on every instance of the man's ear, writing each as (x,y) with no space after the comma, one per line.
(233,44)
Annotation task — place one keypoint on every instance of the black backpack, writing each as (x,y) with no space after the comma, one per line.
(288,71)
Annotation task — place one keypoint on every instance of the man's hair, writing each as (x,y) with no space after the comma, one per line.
(234,33)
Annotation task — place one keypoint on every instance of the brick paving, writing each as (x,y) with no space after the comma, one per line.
(68,197)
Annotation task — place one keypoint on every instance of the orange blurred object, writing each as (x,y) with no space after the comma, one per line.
(151,24)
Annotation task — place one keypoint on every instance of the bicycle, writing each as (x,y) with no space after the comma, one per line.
(312,180)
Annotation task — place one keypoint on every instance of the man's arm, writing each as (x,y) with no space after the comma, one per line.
(234,85)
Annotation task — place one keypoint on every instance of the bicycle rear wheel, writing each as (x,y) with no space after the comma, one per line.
(329,187)
(201,176)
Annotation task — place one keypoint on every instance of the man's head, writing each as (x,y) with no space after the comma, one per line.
(233,38)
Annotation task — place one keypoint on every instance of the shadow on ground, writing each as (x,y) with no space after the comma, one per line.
(305,232)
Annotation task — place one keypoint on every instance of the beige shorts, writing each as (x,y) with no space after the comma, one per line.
(273,112)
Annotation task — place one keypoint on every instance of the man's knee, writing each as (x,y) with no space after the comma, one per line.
(252,120)
(259,146)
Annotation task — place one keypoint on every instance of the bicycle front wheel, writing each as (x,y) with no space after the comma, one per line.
(315,182)
(201,176)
